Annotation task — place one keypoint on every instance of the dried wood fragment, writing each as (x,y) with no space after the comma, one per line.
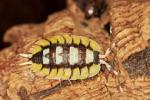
(130,29)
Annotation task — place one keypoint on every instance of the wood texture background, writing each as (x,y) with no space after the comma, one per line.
(128,19)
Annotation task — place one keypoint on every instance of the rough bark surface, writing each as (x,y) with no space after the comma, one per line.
(130,22)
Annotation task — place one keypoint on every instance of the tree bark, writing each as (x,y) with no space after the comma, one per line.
(130,22)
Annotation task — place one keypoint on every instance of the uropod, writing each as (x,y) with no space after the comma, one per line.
(66,57)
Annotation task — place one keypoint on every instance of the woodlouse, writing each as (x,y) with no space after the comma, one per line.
(66,57)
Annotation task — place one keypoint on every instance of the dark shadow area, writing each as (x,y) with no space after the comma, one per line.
(13,12)
(138,64)
(107,28)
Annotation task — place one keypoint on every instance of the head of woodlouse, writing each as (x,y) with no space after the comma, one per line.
(66,57)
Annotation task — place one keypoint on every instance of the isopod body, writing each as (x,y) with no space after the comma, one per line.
(66,57)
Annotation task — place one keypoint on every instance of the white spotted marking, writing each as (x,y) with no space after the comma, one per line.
(59,58)
(91,10)
(89,56)
(46,56)
(73,55)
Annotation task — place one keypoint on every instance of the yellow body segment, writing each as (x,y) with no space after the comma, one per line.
(84,73)
(35,49)
(52,74)
(76,39)
(95,46)
(36,67)
(85,41)
(42,43)
(60,73)
(68,39)
(53,39)
(60,39)
(75,74)
(94,69)
(44,72)
(67,73)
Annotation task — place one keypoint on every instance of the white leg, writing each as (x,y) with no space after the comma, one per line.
(70,82)
(59,82)
(26,55)
(26,63)
(106,53)
(109,67)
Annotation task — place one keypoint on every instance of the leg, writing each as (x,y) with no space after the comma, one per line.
(108,67)
(112,70)
(70,82)
(106,53)
(60,82)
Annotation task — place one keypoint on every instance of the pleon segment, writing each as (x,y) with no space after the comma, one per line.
(94,69)
(44,72)
(84,73)
(35,49)
(36,67)
(84,41)
(75,74)
(52,74)
(95,46)
(76,39)
(68,39)
(42,43)
(67,73)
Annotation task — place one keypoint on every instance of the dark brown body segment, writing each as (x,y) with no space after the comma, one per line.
(37,58)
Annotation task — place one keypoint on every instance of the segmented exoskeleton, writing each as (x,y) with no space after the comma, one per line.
(66,57)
